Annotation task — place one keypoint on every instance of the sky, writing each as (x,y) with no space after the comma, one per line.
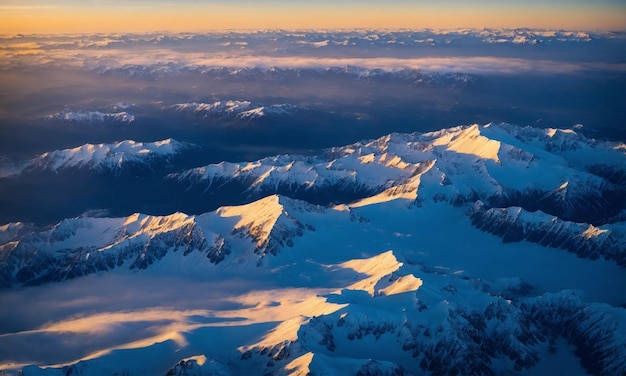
(86,16)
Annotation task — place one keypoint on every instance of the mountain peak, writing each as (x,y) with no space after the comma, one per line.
(148,224)
(106,156)
(382,275)
(269,207)
(269,222)
(470,140)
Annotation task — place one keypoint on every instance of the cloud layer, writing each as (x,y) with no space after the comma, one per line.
(493,51)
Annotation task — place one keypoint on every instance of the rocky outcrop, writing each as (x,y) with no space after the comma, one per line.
(515,224)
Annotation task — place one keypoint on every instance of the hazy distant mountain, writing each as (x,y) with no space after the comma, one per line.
(242,110)
(92,117)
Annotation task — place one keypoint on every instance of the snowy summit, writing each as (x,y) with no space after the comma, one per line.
(105,157)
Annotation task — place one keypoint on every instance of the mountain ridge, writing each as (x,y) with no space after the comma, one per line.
(434,270)
(501,164)
(102,158)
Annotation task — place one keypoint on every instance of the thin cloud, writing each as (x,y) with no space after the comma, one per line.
(120,59)
(308,50)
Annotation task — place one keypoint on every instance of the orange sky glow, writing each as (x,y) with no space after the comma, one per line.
(199,17)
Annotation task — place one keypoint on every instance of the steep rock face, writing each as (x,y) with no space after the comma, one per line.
(586,240)
(594,329)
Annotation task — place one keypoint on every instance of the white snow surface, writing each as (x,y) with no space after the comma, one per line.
(487,160)
(105,156)
(281,286)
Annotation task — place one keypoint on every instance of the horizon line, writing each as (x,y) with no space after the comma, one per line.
(320,29)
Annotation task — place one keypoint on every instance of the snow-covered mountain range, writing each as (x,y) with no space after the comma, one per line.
(393,312)
(492,249)
(81,246)
(318,38)
(414,72)
(103,158)
(92,116)
(243,110)
(428,52)
(557,171)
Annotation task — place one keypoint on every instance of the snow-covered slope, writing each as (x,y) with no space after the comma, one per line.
(432,326)
(445,324)
(105,157)
(557,171)
(393,318)
(459,257)
(81,246)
